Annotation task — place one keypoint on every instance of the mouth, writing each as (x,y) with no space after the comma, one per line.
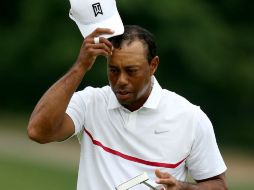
(122,92)
(122,95)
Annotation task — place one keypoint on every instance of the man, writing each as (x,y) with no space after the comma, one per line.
(131,126)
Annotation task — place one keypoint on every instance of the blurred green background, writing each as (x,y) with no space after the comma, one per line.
(206,51)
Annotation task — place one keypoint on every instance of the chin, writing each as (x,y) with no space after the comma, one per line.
(124,102)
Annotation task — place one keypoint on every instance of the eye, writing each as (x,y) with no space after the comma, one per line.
(132,71)
(113,70)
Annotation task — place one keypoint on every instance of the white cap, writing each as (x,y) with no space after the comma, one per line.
(92,14)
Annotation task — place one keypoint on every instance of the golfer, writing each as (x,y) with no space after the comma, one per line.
(132,125)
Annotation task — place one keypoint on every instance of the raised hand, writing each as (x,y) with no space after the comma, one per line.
(93,46)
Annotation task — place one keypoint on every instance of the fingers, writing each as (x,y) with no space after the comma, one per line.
(101,31)
(106,42)
(166,179)
(90,50)
(160,174)
(107,47)
(103,47)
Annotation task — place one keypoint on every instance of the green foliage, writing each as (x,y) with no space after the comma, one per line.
(23,175)
(205,48)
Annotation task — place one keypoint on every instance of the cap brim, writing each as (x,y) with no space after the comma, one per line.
(115,23)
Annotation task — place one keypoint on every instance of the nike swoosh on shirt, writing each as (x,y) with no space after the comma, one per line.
(160,132)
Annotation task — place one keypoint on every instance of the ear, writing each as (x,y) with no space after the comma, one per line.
(154,64)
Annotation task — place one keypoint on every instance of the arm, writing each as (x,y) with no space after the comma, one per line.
(49,122)
(214,183)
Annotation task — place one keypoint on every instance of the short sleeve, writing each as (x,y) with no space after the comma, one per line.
(205,159)
(77,109)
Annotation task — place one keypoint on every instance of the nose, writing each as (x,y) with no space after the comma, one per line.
(122,79)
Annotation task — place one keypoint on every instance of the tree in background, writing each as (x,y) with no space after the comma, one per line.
(205,47)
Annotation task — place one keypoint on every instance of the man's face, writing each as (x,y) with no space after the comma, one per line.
(129,74)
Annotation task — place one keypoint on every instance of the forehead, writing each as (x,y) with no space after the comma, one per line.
(133,52)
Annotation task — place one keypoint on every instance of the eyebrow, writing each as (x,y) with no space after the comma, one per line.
(112,66)
(128,66)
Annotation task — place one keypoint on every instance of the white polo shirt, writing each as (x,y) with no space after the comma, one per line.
(168,133)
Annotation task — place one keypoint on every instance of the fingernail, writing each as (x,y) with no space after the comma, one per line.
(112,31)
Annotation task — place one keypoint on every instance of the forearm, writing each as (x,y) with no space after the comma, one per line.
(215,183)
(50,110)
(207,185)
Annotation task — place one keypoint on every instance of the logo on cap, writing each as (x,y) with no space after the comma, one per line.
(97,9)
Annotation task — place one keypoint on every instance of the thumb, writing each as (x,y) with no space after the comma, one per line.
(160,174)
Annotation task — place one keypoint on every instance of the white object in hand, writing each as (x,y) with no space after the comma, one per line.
(133,182)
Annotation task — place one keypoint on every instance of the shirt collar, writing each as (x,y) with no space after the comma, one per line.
(152,101)
(113,102)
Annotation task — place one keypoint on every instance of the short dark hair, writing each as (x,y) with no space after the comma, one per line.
(132,33)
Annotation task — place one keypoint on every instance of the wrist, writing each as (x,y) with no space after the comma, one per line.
(180,185)
(82,66)
(85,63)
